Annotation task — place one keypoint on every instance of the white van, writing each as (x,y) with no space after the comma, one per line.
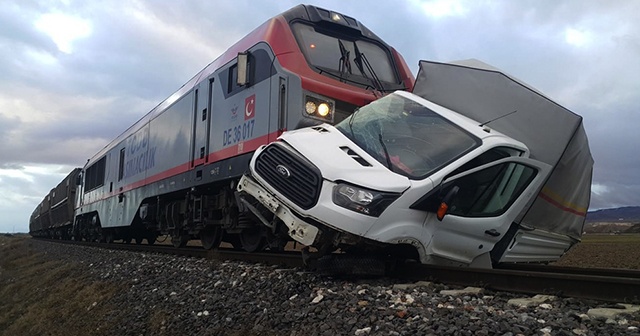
(456,173)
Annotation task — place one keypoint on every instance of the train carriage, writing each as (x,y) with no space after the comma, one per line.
(34,222)
(53,217)
(174,171)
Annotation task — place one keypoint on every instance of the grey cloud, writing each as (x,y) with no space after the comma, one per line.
(11,165)
(127,66)
(17,27)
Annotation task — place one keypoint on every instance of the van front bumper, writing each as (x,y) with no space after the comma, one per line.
(299,230)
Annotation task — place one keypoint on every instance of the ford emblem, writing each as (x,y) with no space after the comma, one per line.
(284,171)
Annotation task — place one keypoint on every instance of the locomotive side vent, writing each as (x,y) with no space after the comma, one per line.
(290,174)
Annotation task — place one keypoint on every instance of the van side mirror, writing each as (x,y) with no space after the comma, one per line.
(243,67)
(446,202)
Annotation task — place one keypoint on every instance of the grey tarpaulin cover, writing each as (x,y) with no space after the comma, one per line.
(552,133)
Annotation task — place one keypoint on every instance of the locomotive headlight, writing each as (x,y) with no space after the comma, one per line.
(318,107)
(365,201)
(310,107)
(323,109)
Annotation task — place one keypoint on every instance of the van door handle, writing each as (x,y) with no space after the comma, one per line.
(492,232)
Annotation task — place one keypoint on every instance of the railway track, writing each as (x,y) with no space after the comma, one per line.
(611,285)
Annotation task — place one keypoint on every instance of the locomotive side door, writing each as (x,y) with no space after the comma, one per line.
(201,123)
(487,200)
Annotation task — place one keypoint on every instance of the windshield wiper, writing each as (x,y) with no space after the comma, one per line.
(361,59)
(386,152)
(345,63)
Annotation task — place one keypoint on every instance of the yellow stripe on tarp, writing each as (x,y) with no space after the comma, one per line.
(558,201)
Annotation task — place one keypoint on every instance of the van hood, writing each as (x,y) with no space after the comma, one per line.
(339,159)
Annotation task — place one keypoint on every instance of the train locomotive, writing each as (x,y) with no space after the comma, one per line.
(175,171)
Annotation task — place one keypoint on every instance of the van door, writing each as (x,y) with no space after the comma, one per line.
(490,197)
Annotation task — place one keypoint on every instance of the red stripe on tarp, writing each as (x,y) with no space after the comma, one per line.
(562,207)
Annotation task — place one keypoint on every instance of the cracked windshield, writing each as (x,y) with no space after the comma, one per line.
(406,137)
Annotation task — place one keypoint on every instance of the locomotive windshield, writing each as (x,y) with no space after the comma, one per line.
(348,59)
(407,137)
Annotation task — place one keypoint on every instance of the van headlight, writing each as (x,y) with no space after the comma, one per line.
(318,107)
(362,200)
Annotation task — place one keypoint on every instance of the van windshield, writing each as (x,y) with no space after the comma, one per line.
(407,137)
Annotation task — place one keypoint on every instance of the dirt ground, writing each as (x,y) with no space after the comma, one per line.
(35,291)
(605,251)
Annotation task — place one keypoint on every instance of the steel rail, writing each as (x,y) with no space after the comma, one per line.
(609,285)
(587,286)
(287,258)
(617,272)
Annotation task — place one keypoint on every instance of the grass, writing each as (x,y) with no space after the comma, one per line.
(39,296)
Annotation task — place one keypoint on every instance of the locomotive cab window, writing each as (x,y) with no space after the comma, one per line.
(232,84)
(345,57)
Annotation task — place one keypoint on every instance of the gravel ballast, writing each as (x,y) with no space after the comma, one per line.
(174,295)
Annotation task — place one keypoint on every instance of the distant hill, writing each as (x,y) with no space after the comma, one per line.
(614,220)
(605,227)
(625,214)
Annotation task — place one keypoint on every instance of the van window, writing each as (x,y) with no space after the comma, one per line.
(491,191)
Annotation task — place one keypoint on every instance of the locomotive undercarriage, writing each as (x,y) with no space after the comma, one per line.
(210,214)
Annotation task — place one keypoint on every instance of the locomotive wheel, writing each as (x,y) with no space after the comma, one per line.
(211,237)
(108,236)
(179,239)
(151,238)
(253,239)
(126,239)
(233,239)
(139,240)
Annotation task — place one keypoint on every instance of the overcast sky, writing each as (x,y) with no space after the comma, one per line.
(75,74)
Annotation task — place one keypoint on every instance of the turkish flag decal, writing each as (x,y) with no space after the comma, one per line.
(250,107)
